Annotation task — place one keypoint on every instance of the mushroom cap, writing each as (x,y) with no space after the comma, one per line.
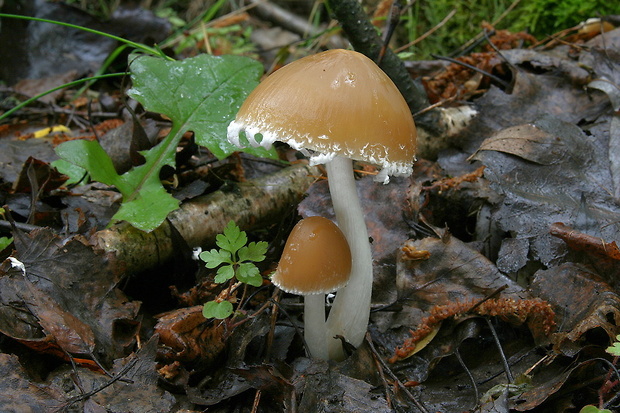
(337,103)
(315,260)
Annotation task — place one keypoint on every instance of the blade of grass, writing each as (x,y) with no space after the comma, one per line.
(108,61)
(139,46)
(47,92)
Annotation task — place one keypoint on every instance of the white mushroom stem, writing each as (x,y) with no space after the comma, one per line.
(351,310)
(314,325)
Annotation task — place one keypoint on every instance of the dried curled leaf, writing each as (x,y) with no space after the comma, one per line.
(537,313)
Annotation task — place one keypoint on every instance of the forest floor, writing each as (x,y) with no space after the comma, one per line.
(496,266)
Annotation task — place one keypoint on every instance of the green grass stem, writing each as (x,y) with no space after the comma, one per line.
(47,92)
(139,46)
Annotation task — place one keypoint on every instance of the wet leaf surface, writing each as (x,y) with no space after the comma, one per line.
(565,184)
(70,294)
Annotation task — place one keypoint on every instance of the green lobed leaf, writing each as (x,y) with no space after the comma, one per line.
(254,251)
(5,242)
(145,201)
(89,155)
(593,409)
(215,258)
(614,349)
(213,309)
(203,93)
(75,173)
(232,239)
(248,273)
(224,274)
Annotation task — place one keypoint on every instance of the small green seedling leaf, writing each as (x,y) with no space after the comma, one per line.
(232,239)
(255,251)
(238,259)
(593,409)
(614,349)
(213,309)
(215,258)
(224,274)
(248,273)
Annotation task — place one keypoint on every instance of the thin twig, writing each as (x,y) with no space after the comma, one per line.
(71,111)
(615,370)
(471,376)
(386,385)
(256,401)
(428,33)
(474,68)
(110,382)
(18,225)
(389,371)
(481,34)
(488,297)
(499,53)
(434,106)
(502,355)
(392,23)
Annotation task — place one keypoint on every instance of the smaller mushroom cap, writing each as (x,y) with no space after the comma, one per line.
(336,103)
(316,258)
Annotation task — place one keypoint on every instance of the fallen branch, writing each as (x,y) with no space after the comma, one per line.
(250,204)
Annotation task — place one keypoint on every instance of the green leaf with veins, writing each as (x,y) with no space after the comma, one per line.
(215,258)
(200,94)
(220,310)
(248,273)
(254,251)
(224,274)
(203,93)
(232,239)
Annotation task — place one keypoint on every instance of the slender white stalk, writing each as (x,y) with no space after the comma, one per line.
(351,310)
(314,325)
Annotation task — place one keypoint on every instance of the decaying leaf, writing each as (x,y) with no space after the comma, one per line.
(132,387)
(67,295)
(21,394)
(187,336)
(583,301)
(140,392)
(584,242)
(330,391)
(565,184)
(454,272)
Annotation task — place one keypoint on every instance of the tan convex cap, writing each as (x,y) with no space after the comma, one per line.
(337,102)
(316,258)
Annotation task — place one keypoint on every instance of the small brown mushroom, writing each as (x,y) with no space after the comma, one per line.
(316,260)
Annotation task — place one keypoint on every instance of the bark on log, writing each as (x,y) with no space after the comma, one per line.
(250,204)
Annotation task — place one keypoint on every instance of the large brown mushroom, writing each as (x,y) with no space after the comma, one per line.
(336,106)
